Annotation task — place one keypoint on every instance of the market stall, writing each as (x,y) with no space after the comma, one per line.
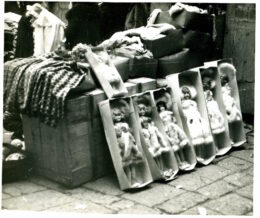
(88,109)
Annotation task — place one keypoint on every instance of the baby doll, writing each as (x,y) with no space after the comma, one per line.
(130,153)
(153,138)
(175,134)
(79,54)
(216,118)
(198,128)
(227,72)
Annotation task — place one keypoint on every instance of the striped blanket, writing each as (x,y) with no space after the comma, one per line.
(39,86)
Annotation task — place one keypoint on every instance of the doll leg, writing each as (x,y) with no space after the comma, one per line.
(128,173)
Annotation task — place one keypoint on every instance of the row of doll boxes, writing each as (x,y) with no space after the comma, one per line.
(154,134)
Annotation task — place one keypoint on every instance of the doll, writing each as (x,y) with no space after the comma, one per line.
(216,118)
(198,128)
(130,153)
(78,53)
(227,72)
(152,136)
(176,136)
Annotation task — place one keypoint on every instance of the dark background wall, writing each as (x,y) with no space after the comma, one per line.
(239,43)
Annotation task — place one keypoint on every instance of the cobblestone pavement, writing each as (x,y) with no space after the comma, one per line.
(225,187)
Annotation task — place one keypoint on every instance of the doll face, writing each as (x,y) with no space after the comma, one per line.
(161,107)
(142,109)
(224,79)
(145,124)
(117,115)
(206,83)
(186,93)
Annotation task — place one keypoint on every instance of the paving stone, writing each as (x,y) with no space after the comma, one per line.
(212,172)
(121,205)
(246,191)
(139,209)
(108,185)
(5,196)
(153,196)
(234,164)
(244,154)
(231,204)
(239,179)
(21,188)
(195,211)
(36,201)
(249,214)
(190,182)
(80,206)
(250,139)
(216,189)
(96,197)
(48,183)
(182,203)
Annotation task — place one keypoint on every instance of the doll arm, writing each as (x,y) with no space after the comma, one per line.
(160,137)
(182,136)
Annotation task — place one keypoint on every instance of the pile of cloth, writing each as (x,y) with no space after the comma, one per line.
(38,86)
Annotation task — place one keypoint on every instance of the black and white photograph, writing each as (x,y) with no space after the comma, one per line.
(130,108)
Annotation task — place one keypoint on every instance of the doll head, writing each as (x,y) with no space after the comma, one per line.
(144,122)
(206,83)
(117,115)
(224,79)
(207,75)
(227,72)
(188,92)
(161,106)
(142,109)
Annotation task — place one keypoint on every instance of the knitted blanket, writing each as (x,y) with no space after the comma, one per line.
(39,86)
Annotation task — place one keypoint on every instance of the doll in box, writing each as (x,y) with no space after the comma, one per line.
(227,73)
(198,128)
(129,151)
(78,53)
(216,118)
(153,138)
(176,136)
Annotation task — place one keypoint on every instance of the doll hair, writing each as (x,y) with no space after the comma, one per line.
(208,74)
(145,100)
(163,95)
(191,89)
(121,105)
(159,104)
(227,70)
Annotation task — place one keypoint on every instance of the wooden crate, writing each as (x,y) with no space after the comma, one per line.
(75,151)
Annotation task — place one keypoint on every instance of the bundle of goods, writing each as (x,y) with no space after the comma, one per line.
(17,163)
(11,21)
(196,26)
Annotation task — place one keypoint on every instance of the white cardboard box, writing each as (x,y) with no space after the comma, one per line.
(222,140)
(236,130)
(143,170)
(188,150)
(175,81)
(168,158)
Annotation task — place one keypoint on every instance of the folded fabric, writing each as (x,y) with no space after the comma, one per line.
(180,7)
(48,30)
(186,19)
